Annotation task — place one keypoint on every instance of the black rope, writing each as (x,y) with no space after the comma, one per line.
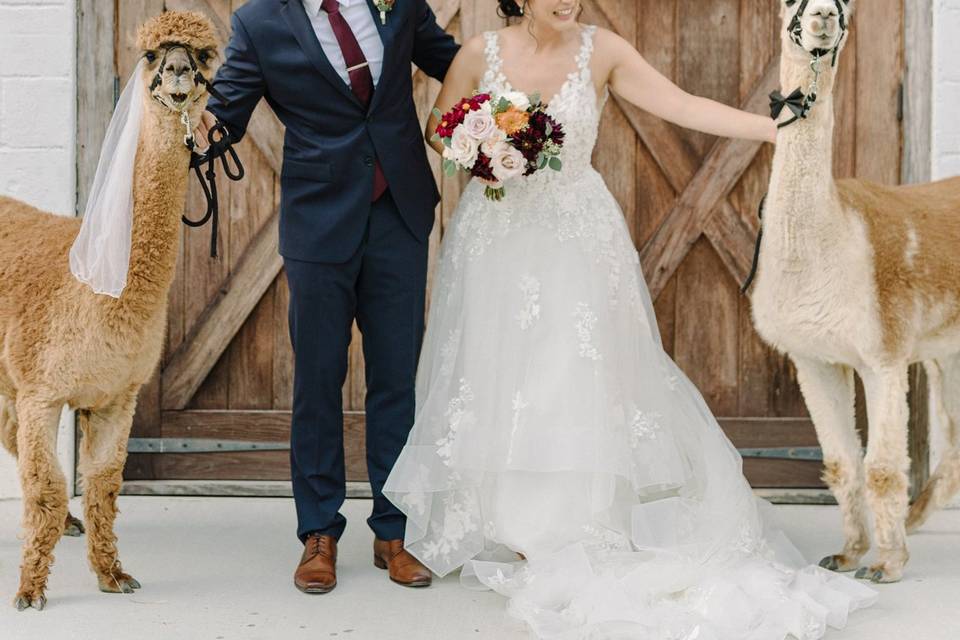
(218,148)
(756,250)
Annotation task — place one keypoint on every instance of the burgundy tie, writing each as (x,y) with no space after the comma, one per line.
(361,80)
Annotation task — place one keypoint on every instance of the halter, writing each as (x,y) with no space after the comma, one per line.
(219,142)
(798,102)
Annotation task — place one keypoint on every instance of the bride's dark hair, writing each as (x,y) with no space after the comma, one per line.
(509,9)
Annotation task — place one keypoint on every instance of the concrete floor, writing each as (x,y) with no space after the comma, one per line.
(220,569)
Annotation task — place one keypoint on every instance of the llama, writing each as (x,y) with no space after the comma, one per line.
(60,343)
(856,276)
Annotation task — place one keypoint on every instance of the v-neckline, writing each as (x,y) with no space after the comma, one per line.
(563,87)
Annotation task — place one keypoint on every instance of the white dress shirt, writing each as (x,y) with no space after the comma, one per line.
(358,16)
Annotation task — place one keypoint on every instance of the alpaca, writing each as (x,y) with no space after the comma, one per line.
(60,343)
(856,276)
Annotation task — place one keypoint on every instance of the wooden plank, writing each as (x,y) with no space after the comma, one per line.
(707,351)
(223,317)
(250,354)
(708,53)
(228,488)
(879,69)
(252,426)
(95,78)
(845,108)
(721,170)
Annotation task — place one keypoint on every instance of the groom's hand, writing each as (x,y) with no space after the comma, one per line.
(207,120)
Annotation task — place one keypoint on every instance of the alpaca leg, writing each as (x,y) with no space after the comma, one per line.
(103,453)
(829,393)
(44,497)
(944,378)
(8,438)
(887,463)
(8,426)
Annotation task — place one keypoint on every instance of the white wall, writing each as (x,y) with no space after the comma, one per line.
(946,92)
(37,134)
(946,123)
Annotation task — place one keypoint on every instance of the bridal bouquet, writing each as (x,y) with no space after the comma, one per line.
(499,138)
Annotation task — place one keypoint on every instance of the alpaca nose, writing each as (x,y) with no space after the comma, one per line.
(178,68)
(826,12)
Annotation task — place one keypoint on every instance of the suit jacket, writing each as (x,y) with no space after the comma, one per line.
(331,139)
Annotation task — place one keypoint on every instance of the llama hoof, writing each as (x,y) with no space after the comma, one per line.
(879,575)
(24,602)
(839,563)
(73,527)
(120,583)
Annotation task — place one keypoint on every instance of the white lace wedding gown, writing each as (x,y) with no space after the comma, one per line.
(551,422)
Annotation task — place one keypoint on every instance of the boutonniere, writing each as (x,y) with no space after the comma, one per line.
(385,7)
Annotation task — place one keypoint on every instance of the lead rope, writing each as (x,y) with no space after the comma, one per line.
(217,148)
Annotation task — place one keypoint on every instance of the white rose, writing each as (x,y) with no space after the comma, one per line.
(507,162)
(463,148)
(479,124)
(490,144)
(518,99)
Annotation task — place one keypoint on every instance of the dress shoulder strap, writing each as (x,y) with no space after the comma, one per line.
(586,50)
(492,51)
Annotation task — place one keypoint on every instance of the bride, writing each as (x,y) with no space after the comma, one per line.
(559,456)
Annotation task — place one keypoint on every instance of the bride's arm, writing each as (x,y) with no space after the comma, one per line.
(461,81)
(638,82)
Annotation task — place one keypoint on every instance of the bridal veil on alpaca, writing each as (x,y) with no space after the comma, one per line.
(100,256)
(551,422)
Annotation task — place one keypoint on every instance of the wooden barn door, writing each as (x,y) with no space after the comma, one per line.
(218,409)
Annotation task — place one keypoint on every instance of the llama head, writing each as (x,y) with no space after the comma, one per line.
(178,49)
(814,27)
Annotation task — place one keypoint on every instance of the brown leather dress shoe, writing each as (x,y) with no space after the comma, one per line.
(317,571)
(404,569)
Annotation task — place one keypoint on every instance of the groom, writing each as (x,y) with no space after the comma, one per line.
(357,207)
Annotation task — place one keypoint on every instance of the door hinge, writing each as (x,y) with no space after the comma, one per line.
(901,98)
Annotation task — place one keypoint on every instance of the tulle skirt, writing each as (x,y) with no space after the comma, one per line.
(551,423)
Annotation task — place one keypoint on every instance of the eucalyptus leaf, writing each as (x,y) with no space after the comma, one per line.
(449,167)
(556,164)
(437,113)
(447,143)
(535,98)
(435,137)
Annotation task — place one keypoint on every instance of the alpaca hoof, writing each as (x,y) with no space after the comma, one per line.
(878,574)
(839,563)
(24,602)
(73,527)
(121,583)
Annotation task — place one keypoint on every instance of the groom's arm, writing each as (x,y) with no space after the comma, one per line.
(240,80)
(433,48)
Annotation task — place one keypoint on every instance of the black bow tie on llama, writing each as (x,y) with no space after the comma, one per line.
(797,102)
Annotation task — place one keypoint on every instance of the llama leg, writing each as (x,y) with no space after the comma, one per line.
(829,393)
(102,455)
(944,378)
(887,463)
(44,497)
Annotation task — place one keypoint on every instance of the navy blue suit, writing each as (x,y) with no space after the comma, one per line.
(345,257)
